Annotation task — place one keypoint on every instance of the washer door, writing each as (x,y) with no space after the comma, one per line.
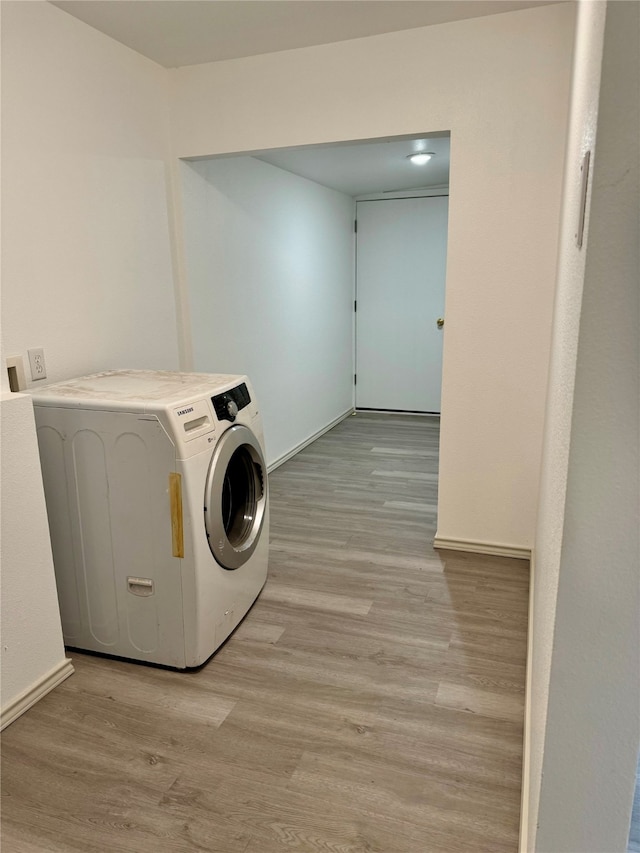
(235,497)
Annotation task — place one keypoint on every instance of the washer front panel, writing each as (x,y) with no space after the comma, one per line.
(235,497)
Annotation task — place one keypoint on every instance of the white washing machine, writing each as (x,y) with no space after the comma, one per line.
(157,496)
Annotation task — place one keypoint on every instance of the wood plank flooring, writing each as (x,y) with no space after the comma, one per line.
(372,700)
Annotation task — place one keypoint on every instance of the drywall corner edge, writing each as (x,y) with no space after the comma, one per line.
(175,201)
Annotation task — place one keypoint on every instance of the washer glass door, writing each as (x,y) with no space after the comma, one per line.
(235,497)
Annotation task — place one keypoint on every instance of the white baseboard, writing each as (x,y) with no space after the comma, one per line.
(495,549)
(291,453)
(392,412)
(33,694)
(523,843)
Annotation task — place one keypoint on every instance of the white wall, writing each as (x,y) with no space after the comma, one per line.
(86,264)
(587,647)
(270,271)
(571,265)
(31,635)
(501,85)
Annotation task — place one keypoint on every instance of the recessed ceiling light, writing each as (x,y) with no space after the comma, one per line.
(419,158)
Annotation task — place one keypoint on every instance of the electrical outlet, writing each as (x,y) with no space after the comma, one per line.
(36,362)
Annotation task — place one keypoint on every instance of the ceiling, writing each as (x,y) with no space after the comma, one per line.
(175,33)
(187,32)
(364,168)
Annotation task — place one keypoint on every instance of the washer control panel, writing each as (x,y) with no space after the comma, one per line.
(228,404)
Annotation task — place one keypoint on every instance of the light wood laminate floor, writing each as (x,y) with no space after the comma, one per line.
(372,700)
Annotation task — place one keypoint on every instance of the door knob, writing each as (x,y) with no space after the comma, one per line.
(440,322)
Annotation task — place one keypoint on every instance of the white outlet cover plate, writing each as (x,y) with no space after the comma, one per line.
(37,364)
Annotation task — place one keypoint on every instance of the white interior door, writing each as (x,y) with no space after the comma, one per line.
(401,267)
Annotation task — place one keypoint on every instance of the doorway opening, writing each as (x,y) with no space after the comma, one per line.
(270,250)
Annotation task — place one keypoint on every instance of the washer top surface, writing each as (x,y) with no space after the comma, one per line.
(142,387)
